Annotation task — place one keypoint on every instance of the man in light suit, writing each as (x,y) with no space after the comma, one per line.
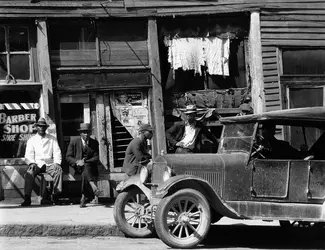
(43,155)
(83,155)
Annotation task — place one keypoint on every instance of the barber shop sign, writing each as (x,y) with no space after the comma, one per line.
(16,127)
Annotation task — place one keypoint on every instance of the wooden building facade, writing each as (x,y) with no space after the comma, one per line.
(75,61)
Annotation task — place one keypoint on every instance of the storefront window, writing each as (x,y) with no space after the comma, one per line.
(302,61)
(14,53)
(19,110)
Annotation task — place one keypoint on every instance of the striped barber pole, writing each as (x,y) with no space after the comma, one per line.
(18,106)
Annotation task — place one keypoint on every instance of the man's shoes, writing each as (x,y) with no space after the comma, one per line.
(83,201)
(27,201)
(55,199)
(94,201)
(46,202)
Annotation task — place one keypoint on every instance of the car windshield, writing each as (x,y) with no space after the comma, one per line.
(237,137)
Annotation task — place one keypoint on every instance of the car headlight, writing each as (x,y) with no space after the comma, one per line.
(144,173)
(167,173)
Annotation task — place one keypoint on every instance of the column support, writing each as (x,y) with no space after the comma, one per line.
(256,64)
(156,95)
(44,66)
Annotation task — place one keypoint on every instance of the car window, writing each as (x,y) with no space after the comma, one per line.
(238,130)
(236,144)
(237,137)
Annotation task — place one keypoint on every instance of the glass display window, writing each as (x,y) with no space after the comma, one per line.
(15,55)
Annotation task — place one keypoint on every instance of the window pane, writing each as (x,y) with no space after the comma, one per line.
(304,62)
(2,40)
(19,66)
(18,112)
(18,39)
(72,37)
(3,67)
(73,45)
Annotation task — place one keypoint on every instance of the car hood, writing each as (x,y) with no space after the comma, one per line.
(182,163)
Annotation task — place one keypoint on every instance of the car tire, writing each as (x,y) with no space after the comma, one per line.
(132,214)
(190,213)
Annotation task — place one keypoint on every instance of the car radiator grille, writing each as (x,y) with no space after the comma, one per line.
(215,179)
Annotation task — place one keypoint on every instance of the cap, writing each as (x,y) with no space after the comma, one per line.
(145,127)
(246,107)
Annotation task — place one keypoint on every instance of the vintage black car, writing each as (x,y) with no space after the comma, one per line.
(184,193)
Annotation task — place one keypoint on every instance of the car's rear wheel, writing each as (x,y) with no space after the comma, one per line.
(183,219)
(132,214)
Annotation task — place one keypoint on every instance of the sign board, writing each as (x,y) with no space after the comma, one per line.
(16,127)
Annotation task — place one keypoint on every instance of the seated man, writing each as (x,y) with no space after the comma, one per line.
(43,155)
(273,148)
(186,136)
(83,155)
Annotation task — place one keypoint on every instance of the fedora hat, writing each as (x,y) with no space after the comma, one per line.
(84,127)
(190,109)
(41,122)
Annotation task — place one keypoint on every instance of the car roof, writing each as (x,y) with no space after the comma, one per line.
(311,116)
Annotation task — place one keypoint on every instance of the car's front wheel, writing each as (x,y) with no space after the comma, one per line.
(132,213)
(183,219)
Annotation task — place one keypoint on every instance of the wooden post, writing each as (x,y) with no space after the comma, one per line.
(44,66)
(101,130)
(256,64)
(155,95)
(109,136)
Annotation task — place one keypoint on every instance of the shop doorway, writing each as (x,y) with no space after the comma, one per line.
(115,117)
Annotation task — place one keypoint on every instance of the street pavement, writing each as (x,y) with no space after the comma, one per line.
(71,220)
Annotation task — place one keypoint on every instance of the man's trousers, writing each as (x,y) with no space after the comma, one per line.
(54,170)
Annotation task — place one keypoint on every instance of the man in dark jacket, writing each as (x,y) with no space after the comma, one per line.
(82,155)
(273,148)
(137,153)
(186,136)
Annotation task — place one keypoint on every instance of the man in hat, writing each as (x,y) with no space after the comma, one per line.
(137,152)
(185,136)
(270,147)
(83,155)
(245,109)
(43,155)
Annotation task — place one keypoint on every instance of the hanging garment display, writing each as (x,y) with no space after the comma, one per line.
(192,53)
(217,56)
(186,53)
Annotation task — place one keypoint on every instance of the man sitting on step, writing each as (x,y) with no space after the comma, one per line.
(83,155)
(43,155)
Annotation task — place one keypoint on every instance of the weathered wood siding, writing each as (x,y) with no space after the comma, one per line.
(290,24)
(283,23)
(120,43)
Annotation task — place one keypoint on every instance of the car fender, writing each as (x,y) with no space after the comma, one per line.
(133,181)
(190,181)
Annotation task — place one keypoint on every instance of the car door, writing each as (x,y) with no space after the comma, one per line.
(270,179)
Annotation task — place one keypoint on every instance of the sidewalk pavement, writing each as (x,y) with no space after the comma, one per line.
(71,220)
(60,220)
